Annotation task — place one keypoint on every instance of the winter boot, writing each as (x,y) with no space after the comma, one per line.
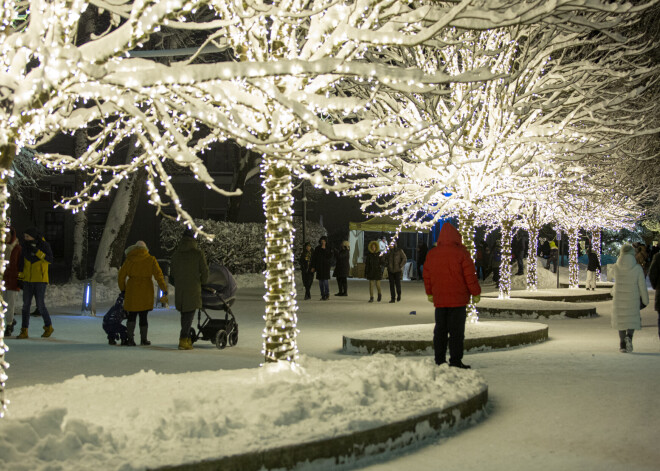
(371,299)
(629,346)
(185,344)
(23,334)
(130,334)
(9,330)
(380,296)
(48,329)
(143,334)
(112,341)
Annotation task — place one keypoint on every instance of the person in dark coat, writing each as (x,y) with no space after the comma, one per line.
(342,266)
(422,250)
(553,257)
(495,262)
(396,260)
(305,263)
(188,271)
(10,277)
(36,257)
(373,269)
(112,322)
(486,260)
(592,267)
(321,261)
(654,278)
(450,278)
(518,249)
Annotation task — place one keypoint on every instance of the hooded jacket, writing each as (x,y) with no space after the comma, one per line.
(449,272)
(629,289)
(35,259)
(373,266)
(135,278)
(189,271)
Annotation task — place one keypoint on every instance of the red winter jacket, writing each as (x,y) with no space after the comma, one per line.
(449,273)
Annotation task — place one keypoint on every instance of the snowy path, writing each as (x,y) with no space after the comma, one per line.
(573,402)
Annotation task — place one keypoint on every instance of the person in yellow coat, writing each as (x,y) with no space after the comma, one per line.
(134,280)
(36,256)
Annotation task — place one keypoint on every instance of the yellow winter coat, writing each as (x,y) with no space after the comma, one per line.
(135,278)
(34,262)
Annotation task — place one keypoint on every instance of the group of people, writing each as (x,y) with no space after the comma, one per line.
(28,256)
(318,263)
(188,272)
(488,257)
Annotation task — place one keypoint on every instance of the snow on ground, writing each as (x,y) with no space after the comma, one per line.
(573,402)
(195,416)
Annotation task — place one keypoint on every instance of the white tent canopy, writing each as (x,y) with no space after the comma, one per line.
(377,224)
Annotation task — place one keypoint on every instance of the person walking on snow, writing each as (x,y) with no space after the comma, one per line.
(36,256)
(593,266)
(189,271)
(134,279)
(321,259)
(305,263)
(10,277)
(629,291)
(450,278)
(342,267)
(373,269)
(396,260)
(654,278)
(553,258)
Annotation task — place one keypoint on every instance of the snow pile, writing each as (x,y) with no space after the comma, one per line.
(107,290)
(171,419)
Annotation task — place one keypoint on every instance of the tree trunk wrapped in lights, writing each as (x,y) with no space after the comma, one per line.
(573,268)
(505,263)
(532,268)
(280,331)
(595,246)
(4,205)
(466,226)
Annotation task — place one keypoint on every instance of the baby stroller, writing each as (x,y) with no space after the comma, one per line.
(217,295)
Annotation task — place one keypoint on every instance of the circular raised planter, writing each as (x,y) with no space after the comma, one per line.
(560,294)
(533,308)
(418,339)
(342,448)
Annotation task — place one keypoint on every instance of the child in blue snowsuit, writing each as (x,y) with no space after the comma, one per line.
(112,322)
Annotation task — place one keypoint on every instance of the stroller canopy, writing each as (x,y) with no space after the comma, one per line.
(221,280)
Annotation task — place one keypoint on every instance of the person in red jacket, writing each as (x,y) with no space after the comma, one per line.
(449,279)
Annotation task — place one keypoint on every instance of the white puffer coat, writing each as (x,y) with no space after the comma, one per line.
(629,288)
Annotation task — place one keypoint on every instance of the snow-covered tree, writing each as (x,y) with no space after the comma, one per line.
(278,97)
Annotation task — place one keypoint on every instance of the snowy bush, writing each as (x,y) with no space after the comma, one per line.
(238,246)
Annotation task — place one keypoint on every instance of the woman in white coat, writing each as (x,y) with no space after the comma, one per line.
(629,290)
